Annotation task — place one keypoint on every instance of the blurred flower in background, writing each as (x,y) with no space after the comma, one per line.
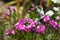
(10,32)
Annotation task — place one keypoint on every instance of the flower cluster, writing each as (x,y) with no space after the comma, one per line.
(54,24)
(51,22)
(25,24)
(8,11)
(28,25)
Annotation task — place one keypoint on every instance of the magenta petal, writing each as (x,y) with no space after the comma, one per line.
(40,29)
(12,31)
(54,24)
(46,18)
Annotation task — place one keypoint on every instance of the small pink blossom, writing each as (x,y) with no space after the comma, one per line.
(9,32)
(54,24)
(12,32)
(11,8)
(40,29)
(29,11)
(46,18)
(3,16)
(32,8)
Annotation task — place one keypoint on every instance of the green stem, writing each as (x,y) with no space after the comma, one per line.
(1,33)
(18,7)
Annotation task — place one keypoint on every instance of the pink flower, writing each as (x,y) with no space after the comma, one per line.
(12,8)
(25,24)
(20,27)
(32,8)
(3,16)
(46,18)
(54,24)
(40,29)
(9,32)
(12,32)
(29,11)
